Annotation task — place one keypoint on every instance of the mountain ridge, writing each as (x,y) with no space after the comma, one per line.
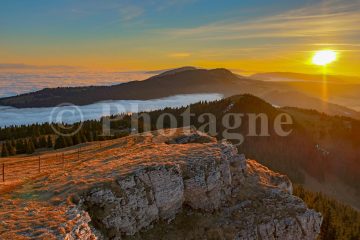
(184,82)
(172,70)
(191,80)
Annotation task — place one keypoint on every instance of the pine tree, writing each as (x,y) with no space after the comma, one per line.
(30,147)
(90,136)
(35,142)
(11,148)
(76,139)
(59,142)
(42,142)
(83,138)
(95,136)
(4,151)
(49,142)
(68,142)
(20,146)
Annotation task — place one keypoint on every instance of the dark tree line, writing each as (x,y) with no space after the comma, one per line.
(25,131)
(28,146)
(26,139)
(340,222)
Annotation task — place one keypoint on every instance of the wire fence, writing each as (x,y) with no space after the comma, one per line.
(13,169)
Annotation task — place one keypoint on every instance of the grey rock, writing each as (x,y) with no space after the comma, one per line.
(231,197)
(81,229)
(139,199)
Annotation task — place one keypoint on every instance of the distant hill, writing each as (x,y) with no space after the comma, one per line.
(173,82)
(341,90)
(290,76)
(301,100)
(190,80)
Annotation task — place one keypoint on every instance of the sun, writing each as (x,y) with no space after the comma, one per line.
(324,57)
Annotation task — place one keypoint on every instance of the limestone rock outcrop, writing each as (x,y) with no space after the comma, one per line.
(138,200)
(232,198)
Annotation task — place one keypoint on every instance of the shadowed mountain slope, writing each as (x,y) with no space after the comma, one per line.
(163,85)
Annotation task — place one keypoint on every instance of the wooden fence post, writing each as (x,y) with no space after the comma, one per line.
(3,172)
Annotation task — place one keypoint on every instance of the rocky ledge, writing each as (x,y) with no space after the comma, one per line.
(178,184)
(201,196)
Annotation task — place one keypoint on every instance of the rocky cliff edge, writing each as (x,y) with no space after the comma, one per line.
(183,185)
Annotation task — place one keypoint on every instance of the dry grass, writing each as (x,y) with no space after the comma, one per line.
(33,205)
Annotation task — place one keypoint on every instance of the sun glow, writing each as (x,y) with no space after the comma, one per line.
(324,57)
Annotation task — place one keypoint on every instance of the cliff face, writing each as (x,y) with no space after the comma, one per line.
(158,186)
(221,196)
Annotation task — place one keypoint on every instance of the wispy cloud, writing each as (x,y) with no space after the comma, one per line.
(27,80)
(321,20)
(121,10)
(130,12)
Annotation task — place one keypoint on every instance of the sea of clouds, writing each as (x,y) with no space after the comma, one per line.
(70,114)
(14,83)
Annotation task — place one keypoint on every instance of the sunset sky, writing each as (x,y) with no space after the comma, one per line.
(116,35)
